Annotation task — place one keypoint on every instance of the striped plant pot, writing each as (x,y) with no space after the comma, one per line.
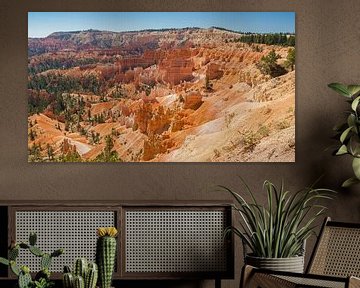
(291,264)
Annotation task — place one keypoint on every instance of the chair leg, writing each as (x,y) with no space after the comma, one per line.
(217,283)
(251,279)
(246,274)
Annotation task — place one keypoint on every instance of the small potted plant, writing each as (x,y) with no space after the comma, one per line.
(275,233)
(349,131)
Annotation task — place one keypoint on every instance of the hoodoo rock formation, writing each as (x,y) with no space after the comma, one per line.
(213,71)
(174,95)
(177,66)
(192,100)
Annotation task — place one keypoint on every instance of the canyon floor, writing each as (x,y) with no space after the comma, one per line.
(180,98)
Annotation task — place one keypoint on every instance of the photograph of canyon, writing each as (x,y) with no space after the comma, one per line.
(161,87)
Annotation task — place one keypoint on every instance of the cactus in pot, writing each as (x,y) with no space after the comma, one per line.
(85,275)
(106,254)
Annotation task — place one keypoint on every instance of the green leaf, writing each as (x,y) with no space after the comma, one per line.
(14,268)
(355,103)
(4,261)
(345,134)
(45,261)
(36,251)
(356,167)
(23,245)
(353,90)
(349,182)
(13,253)
(342,150)
(354,145)
(32,238)
(340,88)
(351,120)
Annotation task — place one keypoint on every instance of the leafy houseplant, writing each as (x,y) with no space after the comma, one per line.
(349,132)
(42,278)
(278,230)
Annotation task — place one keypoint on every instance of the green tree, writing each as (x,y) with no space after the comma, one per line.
(291,40)
(32,135)
(290,59)
(34,153)
(50,151)
(268,65)
(108,154)
(70,156)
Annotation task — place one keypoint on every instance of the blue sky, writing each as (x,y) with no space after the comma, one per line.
(41,24)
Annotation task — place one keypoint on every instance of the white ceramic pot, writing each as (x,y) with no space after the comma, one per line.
(291,264)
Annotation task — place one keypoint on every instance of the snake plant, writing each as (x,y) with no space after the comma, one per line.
(279,228)
(348,132)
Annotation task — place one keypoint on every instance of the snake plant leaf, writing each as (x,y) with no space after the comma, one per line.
(342,150)
(345,134)
(356,167)
(279,228)
(349,182)
(340,88)
(355,103)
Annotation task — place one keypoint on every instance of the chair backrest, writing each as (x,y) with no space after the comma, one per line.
(337,251)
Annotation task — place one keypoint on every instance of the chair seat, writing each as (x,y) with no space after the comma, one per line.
(335,262)
(314,282)
(263,278)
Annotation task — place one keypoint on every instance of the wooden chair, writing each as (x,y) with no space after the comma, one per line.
(335,262)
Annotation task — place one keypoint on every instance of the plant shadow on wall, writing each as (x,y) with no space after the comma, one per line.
(276,232)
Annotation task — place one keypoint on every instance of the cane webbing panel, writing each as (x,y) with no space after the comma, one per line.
(313,282)
(338,252)
(175,241)
(260,280)
(75,231)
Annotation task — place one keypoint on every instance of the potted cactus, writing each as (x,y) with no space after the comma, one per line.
(106,254)
(85,275)
(42,278)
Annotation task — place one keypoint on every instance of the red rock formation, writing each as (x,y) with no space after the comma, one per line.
(192,100)
(177,66)
(156,144)
(151,118)
(177,124)
(213,71)
(67,148)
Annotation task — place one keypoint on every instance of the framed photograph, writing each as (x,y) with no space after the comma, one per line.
(161,86)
